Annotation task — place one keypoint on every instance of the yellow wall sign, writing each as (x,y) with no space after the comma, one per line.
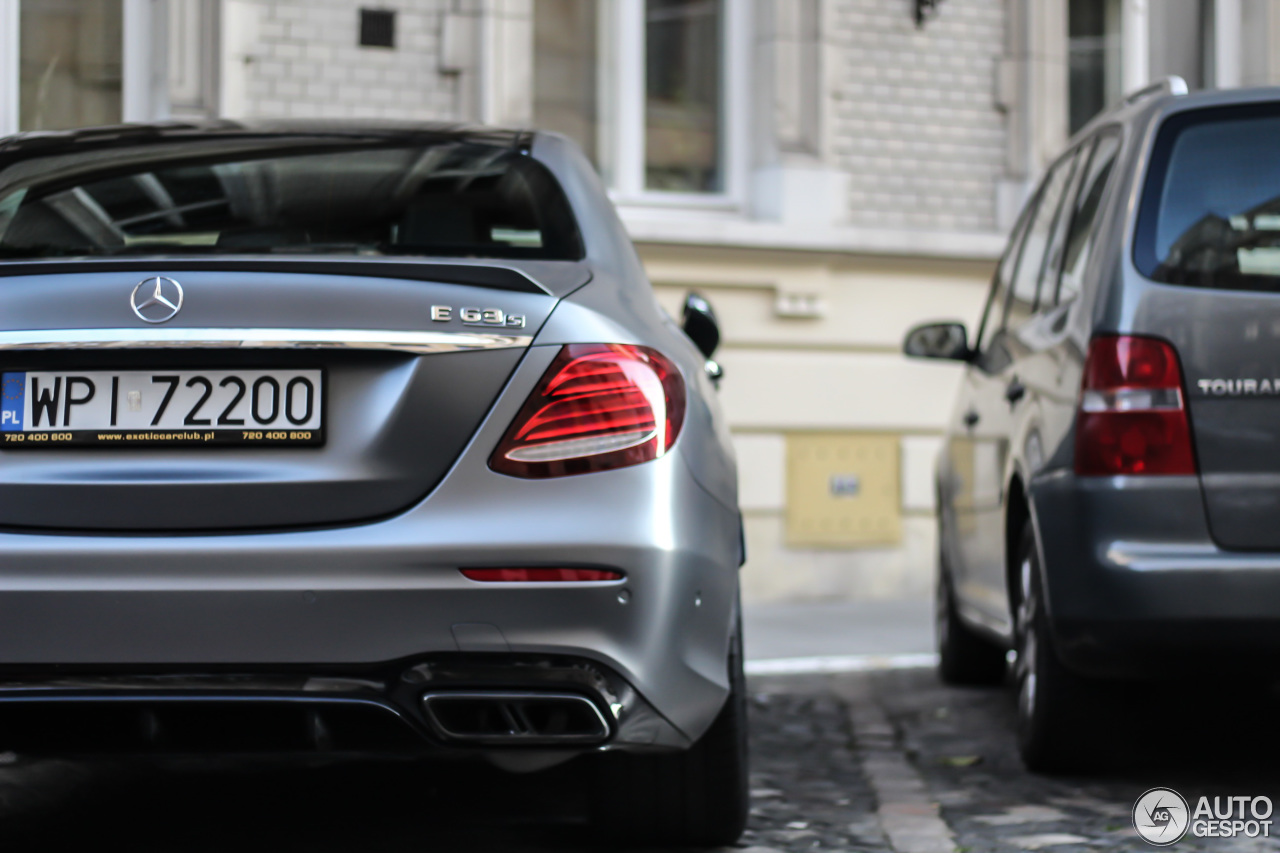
(843,490)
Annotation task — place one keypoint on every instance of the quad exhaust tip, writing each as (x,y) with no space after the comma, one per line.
(515,718)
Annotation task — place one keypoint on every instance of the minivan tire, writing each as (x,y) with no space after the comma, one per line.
(696,798)
(965,658)
(1055,706)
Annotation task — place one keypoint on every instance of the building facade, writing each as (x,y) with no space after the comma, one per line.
(826,172)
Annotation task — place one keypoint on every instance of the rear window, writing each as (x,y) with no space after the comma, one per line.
(286,195)
(1210,212)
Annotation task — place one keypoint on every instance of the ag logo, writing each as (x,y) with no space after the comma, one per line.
(1161,816)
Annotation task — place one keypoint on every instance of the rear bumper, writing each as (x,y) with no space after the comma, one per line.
(1135,583)
(364,596)
(539,705)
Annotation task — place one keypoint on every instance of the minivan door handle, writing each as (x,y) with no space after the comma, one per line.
(1015,391)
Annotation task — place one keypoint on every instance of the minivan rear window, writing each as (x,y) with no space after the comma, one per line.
(286,195)
(1210,211)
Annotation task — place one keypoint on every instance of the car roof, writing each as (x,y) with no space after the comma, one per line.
(44,142)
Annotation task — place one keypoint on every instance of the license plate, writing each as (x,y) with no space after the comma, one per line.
(168,408)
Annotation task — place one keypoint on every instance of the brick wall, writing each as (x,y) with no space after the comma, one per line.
(908,114)
(912,117)
(306,61)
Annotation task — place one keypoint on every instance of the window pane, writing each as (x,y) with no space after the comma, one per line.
(1089,205)
(1210,214)
(1094,58)
(1003,278)
(69,58)
(1026,281)
(284,194)
(682,95)
(564,70)
(1051,267)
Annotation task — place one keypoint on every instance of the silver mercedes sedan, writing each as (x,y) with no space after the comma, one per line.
(352,440)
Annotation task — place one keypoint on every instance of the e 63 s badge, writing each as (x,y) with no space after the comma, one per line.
(488,317)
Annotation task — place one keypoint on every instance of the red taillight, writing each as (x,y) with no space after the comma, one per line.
(598,406)
(1133,417)
(541,575)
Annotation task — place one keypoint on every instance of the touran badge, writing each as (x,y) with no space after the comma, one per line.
(156,300)
(1238,387)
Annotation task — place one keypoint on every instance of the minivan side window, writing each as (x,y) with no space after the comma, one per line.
(1026,280)
(1051,266)
(992,313)
(1080,236)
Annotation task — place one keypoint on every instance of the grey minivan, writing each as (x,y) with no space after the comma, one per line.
(1109,488)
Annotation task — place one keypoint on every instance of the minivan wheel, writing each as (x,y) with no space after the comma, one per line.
(695,798)
(1055,705)
(964,657)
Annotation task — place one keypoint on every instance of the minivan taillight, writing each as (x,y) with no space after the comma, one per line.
(1133,417)
(598,406)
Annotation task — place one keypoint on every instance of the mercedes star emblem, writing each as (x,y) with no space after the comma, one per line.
(156,300)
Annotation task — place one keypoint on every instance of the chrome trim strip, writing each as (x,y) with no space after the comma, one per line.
(420,343)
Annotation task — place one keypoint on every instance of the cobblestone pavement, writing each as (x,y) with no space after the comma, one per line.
(889,761)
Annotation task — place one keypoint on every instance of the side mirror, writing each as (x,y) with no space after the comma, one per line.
(938,340)
(699,323)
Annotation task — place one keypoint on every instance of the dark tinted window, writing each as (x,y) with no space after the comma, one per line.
(1210,214)
(287,195)
(1003,277)
(683,92)
(1051,267)
(1026,280)
(1080,235)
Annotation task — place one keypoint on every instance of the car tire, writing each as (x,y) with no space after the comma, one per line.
(695,798)
(964,657)
(1055,706)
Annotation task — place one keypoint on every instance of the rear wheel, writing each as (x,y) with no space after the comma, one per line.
(694,798)
(964,657)
(1055,706)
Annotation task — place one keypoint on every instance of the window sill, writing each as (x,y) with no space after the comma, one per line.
(726,229)
(658,202)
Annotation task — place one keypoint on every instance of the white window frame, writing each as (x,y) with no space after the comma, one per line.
(622,103)
(8,67)
(143,95)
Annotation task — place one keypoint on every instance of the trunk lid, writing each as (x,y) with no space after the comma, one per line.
(1208,231)
(1229,346)
(406,385)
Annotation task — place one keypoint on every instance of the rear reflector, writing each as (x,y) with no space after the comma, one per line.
(598,406)
(541,575)
(1132,417)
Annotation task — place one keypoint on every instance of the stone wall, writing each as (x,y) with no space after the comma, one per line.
(302,58)
(912,113)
